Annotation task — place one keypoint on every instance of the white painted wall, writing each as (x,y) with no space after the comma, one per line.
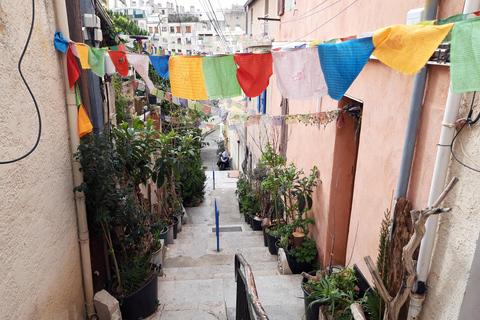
(40,260)
(458,231)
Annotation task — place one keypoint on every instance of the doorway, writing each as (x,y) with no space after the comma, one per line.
(347,138)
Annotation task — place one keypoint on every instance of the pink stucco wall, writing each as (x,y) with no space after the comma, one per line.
(386,96)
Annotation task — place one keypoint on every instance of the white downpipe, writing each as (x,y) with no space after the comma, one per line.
(61,15)
(439,176)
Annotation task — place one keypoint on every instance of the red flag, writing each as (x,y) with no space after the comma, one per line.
(121,47)
(72,67)
(120,61)
(254,71)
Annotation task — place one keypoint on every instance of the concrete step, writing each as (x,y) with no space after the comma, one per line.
(280,296)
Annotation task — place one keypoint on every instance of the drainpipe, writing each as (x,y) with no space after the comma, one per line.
(61,15)
(438,183)
(416,104)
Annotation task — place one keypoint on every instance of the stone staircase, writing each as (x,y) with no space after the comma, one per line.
(199,282)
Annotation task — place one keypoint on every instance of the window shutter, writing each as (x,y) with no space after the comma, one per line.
(280,7)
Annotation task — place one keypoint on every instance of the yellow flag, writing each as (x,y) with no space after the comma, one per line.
(408,48)
(83,54)
(186,77)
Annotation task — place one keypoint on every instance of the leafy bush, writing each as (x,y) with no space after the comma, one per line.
(307,252)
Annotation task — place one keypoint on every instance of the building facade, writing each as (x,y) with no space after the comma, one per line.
(360,169)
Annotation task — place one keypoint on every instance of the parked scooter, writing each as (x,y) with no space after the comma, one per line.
(223,160)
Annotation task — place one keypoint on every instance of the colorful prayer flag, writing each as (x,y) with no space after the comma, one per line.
(407,48)
(186,77)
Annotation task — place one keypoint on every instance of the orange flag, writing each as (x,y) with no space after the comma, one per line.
(84,124)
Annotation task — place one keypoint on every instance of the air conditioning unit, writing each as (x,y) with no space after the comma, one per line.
(415,16)
(98,35)
(90,21)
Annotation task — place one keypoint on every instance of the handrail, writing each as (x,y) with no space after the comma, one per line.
(248,304)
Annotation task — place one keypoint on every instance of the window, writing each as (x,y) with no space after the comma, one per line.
(179,30)
(164,29)
(172,29)
(262,102)
(179,40)
(163,11)
(150,29)
(188,29)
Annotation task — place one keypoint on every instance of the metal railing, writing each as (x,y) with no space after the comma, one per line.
(248,304)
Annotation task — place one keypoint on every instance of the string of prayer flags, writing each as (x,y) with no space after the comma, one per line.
(253,72)
(140,63)
(120,62)
(175,99)
(191,105)
(168,96)
(407,48)
(160,64)
(298,73)
(186,77)
(220,73)
(342,62)
(198,107)
(96,60)
(465,56)
(72,68)
(60,42)
(82,50)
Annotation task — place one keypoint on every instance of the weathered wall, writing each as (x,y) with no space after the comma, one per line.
(40,260)
(458,230)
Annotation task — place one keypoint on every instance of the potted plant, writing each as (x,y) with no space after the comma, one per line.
(117,211)
(331,293)
(301,258)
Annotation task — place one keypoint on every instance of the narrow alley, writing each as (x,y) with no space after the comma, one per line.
(199,282)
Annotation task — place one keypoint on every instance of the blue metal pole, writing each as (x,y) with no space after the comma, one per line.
(213,169)
(217,214)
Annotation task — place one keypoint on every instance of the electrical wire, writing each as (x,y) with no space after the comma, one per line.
(344,9)
(318,5)
(468,121)
(214,23)
(29,90)
(231,35)
(314,13)
(220,31)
